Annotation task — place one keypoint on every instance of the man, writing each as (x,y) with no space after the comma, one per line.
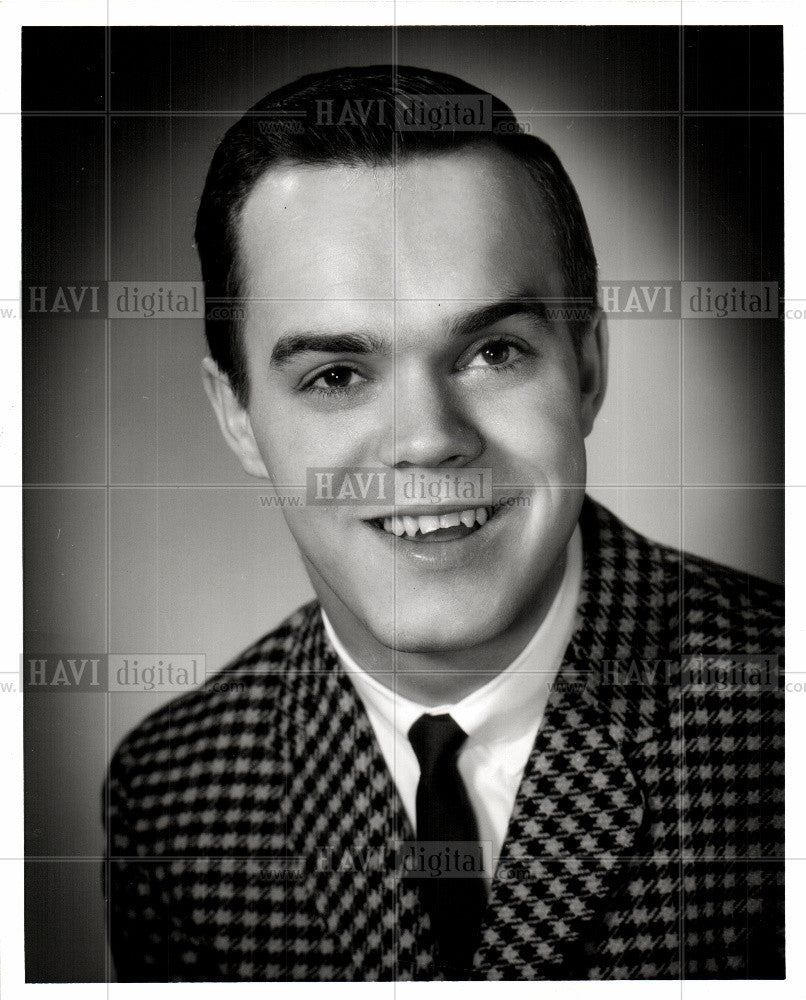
(515,692)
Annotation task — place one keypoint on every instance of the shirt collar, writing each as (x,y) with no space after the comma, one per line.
(505,707)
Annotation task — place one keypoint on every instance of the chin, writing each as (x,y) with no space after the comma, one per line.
(410,633)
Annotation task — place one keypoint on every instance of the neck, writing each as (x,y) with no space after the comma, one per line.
(442,676)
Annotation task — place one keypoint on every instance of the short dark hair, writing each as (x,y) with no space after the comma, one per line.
(287,126)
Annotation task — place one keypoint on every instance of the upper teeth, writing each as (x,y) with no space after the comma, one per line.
(406,525)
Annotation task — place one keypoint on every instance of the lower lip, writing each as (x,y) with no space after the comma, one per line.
(443,555)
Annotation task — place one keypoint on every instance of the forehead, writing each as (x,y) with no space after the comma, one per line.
(458,226)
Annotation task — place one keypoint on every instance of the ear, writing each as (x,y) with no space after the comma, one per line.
(233,419)
(593,369)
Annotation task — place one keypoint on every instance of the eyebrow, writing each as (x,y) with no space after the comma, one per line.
(337,343)
(480,319)
(292,344)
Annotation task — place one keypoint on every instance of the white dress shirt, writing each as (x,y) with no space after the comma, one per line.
(501,718)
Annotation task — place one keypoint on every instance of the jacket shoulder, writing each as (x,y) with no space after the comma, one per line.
(711,607)
(230,717)
(719,602)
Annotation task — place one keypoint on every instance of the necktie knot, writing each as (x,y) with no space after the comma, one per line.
(437,740)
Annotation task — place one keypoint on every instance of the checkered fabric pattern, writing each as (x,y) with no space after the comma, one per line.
(252,825)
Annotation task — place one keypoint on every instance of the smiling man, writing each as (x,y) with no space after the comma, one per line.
(499,744)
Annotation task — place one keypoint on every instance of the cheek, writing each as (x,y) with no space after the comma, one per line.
(565,457)
(293,436)
(539,427)
(288,444)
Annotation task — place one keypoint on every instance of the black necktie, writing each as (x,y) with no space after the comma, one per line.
(447,832)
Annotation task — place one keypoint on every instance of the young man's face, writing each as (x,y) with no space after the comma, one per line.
(371,344)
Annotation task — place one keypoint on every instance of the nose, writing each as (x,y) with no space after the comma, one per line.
(427,428)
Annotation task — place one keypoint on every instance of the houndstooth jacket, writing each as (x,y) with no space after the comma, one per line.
(245,820)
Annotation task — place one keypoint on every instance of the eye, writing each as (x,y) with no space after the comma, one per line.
(495,353)
(333,380)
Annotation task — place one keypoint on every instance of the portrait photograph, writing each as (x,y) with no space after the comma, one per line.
(403,495)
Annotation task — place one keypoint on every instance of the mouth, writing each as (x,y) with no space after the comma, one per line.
(429,528)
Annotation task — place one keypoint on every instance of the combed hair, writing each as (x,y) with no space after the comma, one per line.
(267,136)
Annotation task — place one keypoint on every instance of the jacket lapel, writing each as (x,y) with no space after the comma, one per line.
(580,808)
(346,819)
(577,810)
